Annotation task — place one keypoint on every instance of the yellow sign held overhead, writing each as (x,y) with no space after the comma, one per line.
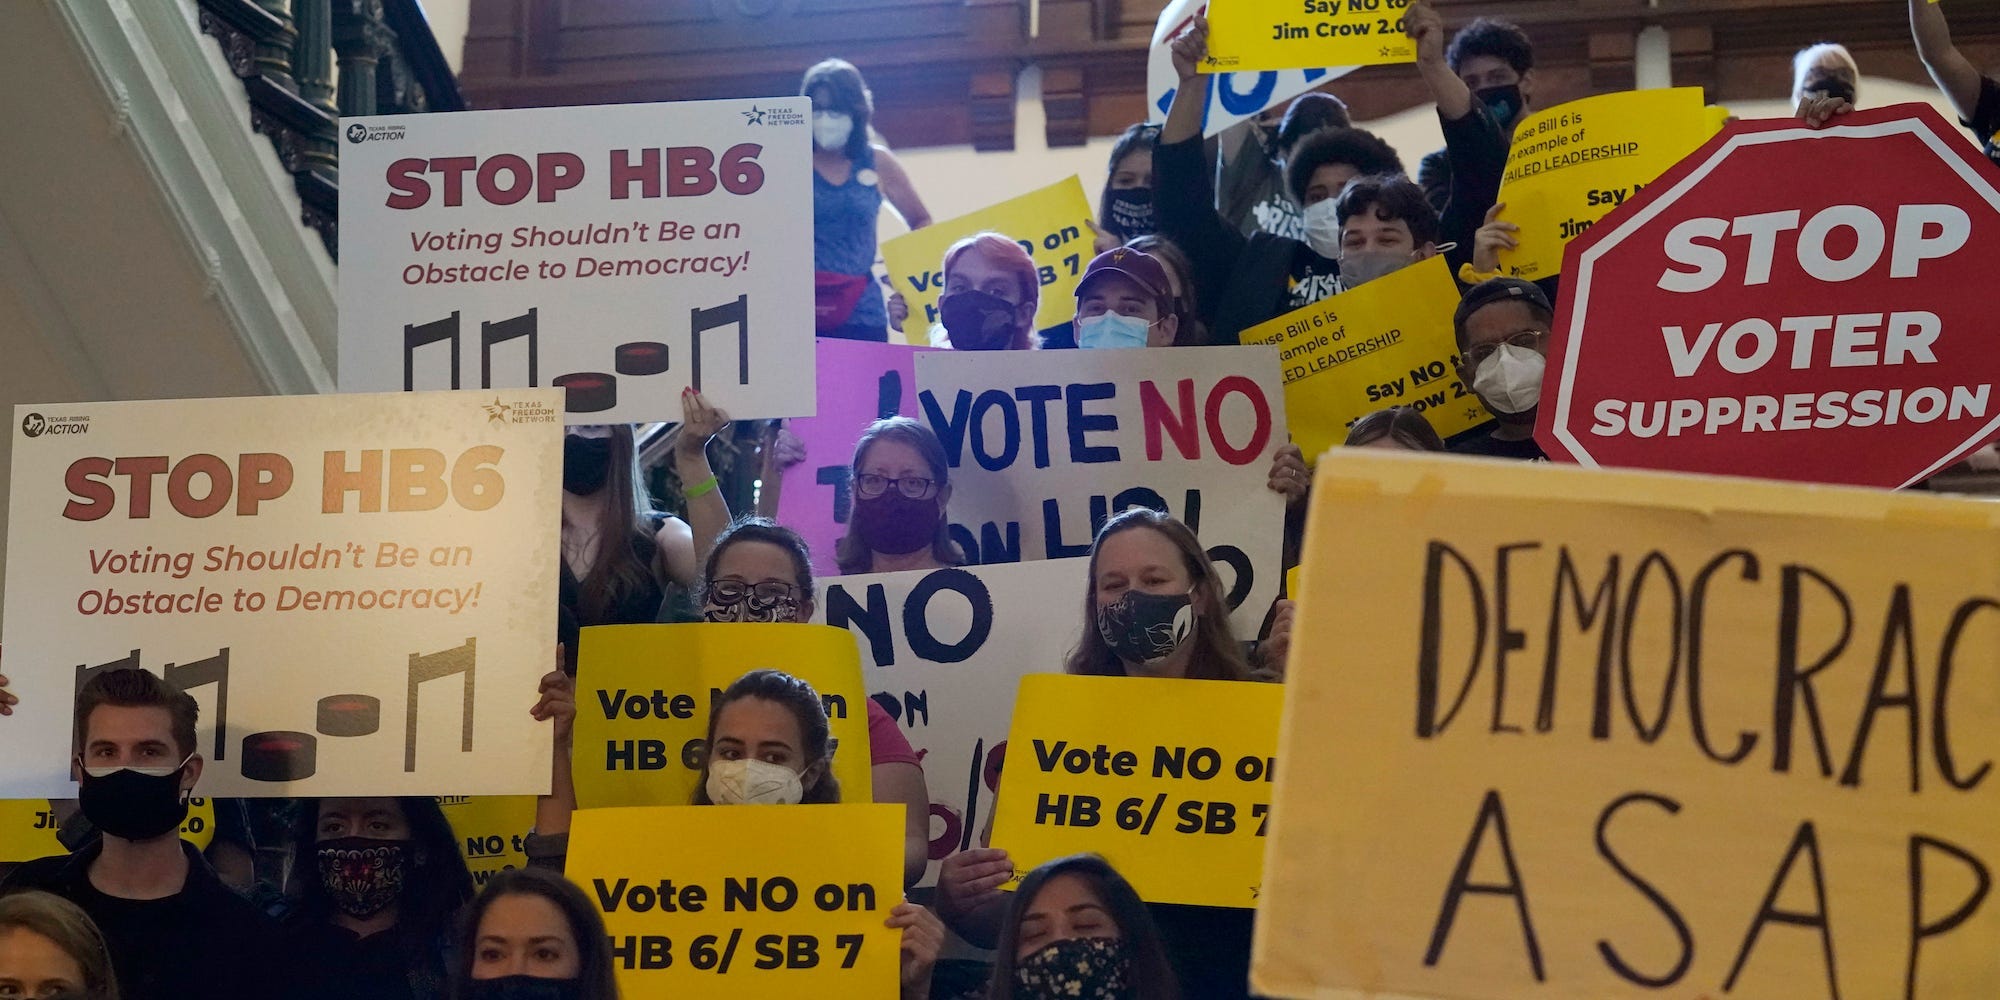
(1256,35)
(1581,734)
(1574,163)
(1386,343)
(750,902)
(1051,223)
(1170,780)
(643,700)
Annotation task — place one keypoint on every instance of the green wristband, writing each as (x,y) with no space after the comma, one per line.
(700,489)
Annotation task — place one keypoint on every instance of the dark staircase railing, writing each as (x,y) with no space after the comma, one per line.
(286,53)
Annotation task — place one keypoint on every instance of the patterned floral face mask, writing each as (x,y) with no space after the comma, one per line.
(362,874)
(737,601)
(1076,969)
(1145,628)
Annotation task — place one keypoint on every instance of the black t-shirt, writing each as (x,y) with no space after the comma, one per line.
(1482,442)
(1312,278)
(1985,122)
(335,964)
(204,941)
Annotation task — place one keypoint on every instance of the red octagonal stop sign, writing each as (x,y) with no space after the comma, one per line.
(1788,303)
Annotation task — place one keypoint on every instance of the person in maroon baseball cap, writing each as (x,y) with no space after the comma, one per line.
(1125,300)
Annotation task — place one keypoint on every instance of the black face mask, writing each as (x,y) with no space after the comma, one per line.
(1130,212)
(1832,86)
(586,464)
(977,321)
(524,988)
(134,806)
(1505,103)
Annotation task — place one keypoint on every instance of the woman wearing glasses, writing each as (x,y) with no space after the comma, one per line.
(901,484)
(760,571)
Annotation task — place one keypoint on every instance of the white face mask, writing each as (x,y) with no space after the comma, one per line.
(1323,228)
(1112,330)
(831,129)
(748,782)
(1510,381)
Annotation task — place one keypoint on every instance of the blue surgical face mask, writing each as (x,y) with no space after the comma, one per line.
(1111,330)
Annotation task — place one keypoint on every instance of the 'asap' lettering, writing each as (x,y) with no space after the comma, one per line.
(508,178)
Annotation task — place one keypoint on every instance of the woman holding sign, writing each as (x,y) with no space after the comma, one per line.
(623,561)
(901,482)
(761,571)
(1154,607)
(851,177)
(769,743)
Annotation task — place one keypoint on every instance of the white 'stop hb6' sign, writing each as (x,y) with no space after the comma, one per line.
(621,253)
(1789,303)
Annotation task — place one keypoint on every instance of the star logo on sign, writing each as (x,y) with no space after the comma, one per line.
(1385,52)
(1256,892)
(496,411)
(1472,413)
(754,116)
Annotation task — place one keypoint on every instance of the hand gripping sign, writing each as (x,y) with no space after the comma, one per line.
(1789,303)
(1285,34)
(1232,97)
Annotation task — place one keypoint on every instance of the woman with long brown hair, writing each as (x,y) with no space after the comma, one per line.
(1153,608)
(620,556)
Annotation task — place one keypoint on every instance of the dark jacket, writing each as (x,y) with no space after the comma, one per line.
(1240,280)
(204,941)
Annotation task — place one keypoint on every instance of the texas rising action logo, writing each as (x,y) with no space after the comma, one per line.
(35,425)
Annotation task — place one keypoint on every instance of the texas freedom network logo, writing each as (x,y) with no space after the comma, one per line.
(503,414)
(358,132)
(35,425)
(772,116)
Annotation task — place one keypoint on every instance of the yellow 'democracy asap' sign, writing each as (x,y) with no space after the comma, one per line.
(1574,163)
(1170,780)
(1583,734)
(644,691)
(1051,223)
(1254,35)
(746,902)
(1386,343)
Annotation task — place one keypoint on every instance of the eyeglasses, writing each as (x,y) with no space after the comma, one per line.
(1526,340)
(869,486)
(762,594)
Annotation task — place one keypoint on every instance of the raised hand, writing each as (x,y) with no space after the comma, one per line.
(1492,238)
(1190,49)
